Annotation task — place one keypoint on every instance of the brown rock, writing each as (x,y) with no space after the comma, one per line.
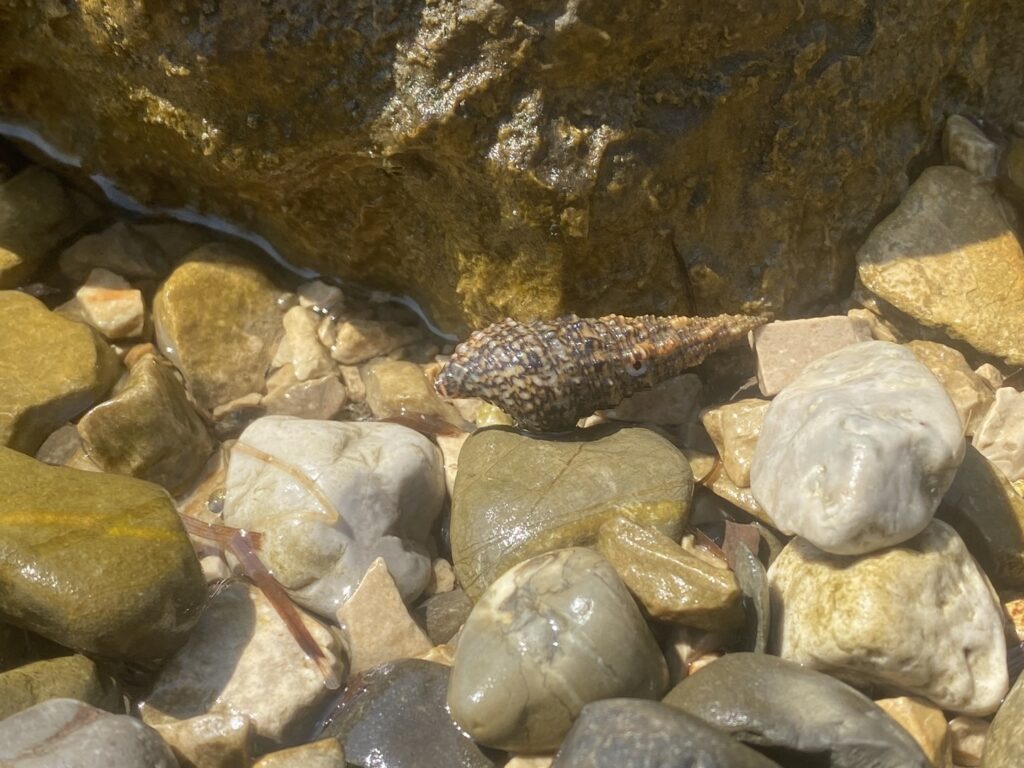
(971,394)
(1000,434)
(946,260)
(785,348)
(734,428)
(36,213)
(216,317)
(926,723)
(668,581)
(120,249)
(110,305)
(497,159)
(215,740)
(398,387)
(51,369)
(378,624)
(326,753)
(967,735)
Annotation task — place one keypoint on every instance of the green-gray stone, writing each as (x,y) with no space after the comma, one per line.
(1004,745)
(51,369)
(67,677)
(97,562)
(216,317)
(519,495)
(36,213)
(670,583)
(766,701)
(989,516)
(149,429)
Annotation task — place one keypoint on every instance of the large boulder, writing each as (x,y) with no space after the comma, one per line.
(518,157)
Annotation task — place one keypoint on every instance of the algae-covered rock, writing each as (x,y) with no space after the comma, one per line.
(518,495)
(67,677)
(51,369)
(671,583)
(99,563)
(37,212)
(148,430)
(216,317)
(521,158)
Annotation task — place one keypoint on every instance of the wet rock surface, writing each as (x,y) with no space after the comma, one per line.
(370,490)
(631,733)
(69,534)
(216,318)
(68,677)
(552,634)
(920,618)
(588,158)
(518,495)
(871,405)
(752,696)
(51,370)
(149,429)
(394,716)
(68,732)
(223,669)
(1003,745)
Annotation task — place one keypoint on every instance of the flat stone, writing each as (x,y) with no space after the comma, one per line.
(784,348)
(947,260)
(988,513)
(51,370)
(394,716)
(920,618)
(1000,436)
(550,635)
(321,398)
(110,305)
(398,387)
(1004,747)
(856,453)
(442,615)
(66,677)
(377,622)
(670,583)
(357,341)
(326,753)
(68,732)
(629,733)
(673,403)
(970,393)
(216,317)
(119,540)
(926,723)
(121,249)
(966,145)
(735,428)
(752,695)
(149,429)
(242,660)
(218,740)
(37,212)
(330,498)
(309,358)
(968,738)
(518,495)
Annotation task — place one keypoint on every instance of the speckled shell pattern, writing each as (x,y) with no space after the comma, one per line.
(549,374)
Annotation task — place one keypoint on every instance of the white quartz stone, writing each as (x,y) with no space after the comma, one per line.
(920,618)
(332,498)
(1000,436)
(857,452)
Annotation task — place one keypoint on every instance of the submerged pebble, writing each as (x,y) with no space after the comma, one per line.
(550,635)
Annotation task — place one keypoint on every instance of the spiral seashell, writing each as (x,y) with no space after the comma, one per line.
(548,374)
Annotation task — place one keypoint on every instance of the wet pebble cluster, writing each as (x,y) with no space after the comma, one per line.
(238,526)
